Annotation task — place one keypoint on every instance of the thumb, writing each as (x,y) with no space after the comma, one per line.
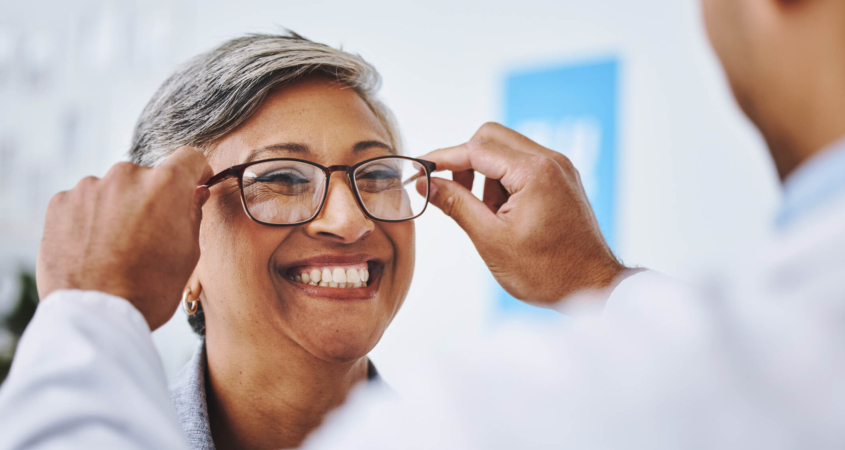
(458,203)
(201,195)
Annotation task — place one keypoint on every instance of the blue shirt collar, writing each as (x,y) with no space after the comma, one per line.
(814,183)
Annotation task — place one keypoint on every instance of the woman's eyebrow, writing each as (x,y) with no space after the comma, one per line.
(288,147)
(303,149)
(366,145)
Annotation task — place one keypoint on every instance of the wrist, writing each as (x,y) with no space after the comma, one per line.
(596,277)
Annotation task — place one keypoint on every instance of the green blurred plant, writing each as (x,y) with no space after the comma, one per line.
(18,318)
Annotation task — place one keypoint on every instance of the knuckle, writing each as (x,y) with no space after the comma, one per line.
(489,127)
(564,162)
(120,172)
(123,168)
(547,166)
(57,200)
(476,143)
(86,183)
(485,130)
(126,165)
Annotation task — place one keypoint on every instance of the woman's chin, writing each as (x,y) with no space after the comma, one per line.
(341,345)
(337,330)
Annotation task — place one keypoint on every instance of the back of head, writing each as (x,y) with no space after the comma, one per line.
(215,92)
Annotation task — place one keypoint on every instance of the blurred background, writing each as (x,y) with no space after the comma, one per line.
(629,90)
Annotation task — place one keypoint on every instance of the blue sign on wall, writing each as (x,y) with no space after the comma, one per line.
(571,109)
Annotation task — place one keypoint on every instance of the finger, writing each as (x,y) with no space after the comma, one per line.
(201,195)
(488,158)
(495,195)
(465,178)
(87,183)
(422,186)
(191,162)
(513,139)
(458,203)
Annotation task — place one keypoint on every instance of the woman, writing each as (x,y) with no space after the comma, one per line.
(304,262)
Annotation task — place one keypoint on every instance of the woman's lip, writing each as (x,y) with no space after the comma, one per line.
(362,293)
(328,260)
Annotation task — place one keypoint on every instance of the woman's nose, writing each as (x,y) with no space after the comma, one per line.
(341,219)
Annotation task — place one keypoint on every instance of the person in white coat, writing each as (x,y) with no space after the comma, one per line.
(751,357)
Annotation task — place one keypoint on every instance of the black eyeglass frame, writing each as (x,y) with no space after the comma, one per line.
(238,172)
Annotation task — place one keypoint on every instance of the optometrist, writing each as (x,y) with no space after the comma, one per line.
(752,358)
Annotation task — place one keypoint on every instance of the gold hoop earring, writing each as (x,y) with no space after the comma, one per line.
(190,306)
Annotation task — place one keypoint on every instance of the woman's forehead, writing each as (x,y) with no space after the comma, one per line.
(313,119)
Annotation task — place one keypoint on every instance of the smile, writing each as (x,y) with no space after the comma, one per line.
(348,276)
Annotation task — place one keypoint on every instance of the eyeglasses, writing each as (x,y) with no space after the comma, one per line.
(286,191)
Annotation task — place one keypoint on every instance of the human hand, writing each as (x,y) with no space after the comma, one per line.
(534,228)
(134,234)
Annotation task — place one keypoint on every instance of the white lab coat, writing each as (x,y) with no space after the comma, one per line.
(753,357)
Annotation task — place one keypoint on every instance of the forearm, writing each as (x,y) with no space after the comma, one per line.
(86,374)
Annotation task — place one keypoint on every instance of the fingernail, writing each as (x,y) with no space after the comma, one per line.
(432,190)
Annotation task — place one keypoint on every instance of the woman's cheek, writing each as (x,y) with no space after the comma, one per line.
(402,237)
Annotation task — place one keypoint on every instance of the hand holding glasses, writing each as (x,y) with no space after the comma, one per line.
(288,191)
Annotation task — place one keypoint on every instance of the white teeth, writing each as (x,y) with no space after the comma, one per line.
(339,275)
(334,277)
(352,276)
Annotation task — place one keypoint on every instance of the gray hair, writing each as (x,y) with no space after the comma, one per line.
(215,92)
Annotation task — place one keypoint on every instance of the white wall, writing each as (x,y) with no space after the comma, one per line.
(695,186)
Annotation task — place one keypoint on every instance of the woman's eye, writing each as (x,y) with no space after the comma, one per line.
(283,178)
(378,179)
(379,175)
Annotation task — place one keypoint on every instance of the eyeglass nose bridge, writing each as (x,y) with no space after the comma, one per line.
(349,179)
(339,168)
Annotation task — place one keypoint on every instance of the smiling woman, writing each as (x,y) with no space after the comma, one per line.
(307,244)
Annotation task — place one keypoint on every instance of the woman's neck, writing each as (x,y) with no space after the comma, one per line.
(271,399)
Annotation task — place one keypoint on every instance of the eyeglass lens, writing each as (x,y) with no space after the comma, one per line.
(287,192)
(385,187)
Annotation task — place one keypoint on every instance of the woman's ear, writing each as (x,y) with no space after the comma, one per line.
(195,285)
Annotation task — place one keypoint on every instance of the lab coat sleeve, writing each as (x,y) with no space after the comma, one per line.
(86,375)
(643,286)
(572,383)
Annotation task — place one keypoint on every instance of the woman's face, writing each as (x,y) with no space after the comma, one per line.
(245,267)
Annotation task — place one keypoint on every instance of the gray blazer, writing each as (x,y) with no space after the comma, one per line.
(188,393)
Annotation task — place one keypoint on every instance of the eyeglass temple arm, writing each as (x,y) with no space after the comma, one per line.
(430,166)
(228,173)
